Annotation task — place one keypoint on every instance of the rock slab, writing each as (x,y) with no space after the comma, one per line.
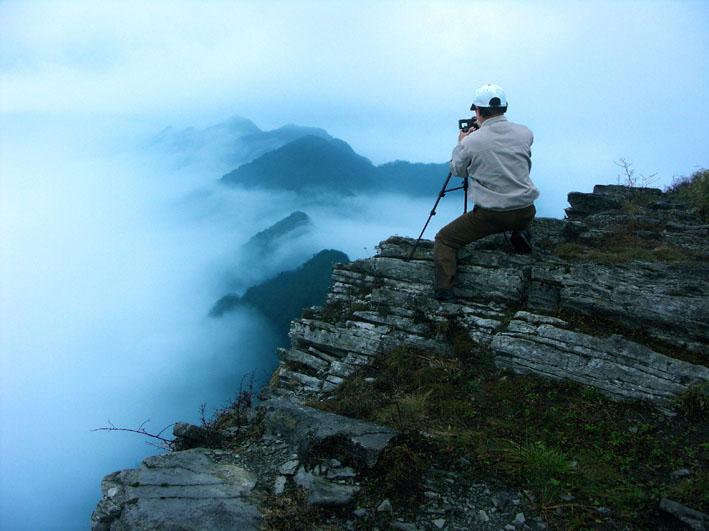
(192,489)
(306,428)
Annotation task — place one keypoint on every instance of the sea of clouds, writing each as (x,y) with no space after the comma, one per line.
(112,255)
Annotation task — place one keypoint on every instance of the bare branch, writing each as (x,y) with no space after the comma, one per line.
(630,179)
(164,443)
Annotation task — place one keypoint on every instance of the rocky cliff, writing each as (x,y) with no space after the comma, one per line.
(614,298)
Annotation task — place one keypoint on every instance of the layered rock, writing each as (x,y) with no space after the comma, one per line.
(643,317)
(192,489)
(645,213)
(621,368)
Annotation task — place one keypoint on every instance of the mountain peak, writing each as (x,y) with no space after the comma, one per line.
(307,163)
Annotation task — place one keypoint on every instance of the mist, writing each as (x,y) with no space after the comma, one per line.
(111,260)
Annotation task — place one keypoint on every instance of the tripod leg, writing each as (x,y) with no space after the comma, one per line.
(433,213)
(465,195)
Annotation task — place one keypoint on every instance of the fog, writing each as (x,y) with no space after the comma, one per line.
(112,251)
(111,260)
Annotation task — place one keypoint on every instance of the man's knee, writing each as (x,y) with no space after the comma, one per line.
(442,241)
(454,235)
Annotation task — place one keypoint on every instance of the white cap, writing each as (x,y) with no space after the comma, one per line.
(485,93)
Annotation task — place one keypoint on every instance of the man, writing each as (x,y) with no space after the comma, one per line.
(497,158)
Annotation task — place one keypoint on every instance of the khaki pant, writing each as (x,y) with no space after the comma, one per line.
(467,228)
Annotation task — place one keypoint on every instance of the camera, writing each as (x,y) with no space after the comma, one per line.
(467,123)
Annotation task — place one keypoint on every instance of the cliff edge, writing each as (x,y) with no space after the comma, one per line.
(587,359)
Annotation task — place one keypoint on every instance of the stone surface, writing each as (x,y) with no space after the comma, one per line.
(192,489)
(306,429)
(694,519)
(327,494)
(279,486)
(583,205)
(188,431)
(289,468)
(670,303)
(615,365)
(385,507)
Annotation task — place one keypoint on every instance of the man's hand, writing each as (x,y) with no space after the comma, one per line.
(462,135)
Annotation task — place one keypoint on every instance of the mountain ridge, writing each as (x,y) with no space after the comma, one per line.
(268,239)
(313,163)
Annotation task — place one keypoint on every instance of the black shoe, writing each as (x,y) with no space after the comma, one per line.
(521,241)
(444,295)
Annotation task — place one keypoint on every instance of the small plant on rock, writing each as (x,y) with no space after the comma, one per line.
(694,401)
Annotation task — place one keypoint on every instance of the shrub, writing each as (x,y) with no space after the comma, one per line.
(694,190)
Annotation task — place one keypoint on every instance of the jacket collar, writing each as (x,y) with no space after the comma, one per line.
(494,119)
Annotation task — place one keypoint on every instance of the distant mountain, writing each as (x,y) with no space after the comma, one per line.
(319,164)
(308,163)
(228,144)
(282,299)
(267,240)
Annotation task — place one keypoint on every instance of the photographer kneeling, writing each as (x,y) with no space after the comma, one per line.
(497,158)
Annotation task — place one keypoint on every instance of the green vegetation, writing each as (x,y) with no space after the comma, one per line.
(307,164)
(623,247)
(540,467)
(694,190)
(586,460)
(694,401)
(282,299)
(266,240)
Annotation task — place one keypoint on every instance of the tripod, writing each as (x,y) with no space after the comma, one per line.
(443,191)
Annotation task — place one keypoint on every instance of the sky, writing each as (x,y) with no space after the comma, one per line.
(595,81)
(110,257)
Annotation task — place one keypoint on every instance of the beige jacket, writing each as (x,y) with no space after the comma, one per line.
(497,157)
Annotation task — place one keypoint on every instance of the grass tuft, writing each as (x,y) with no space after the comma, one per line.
(694,401)
(542,468)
